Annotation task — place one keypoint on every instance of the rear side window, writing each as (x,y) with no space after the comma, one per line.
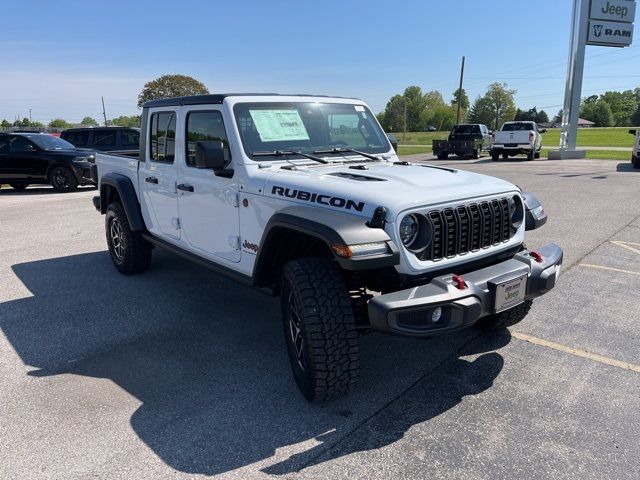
(78,139)
(104,138)
(130,138)
(204,126)
(162,144)
(4,144)
(20,145)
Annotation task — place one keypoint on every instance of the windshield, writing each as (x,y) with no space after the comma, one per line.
(307,127)
(515,127)
(48,142)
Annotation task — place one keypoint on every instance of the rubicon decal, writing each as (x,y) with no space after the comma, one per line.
(338,202)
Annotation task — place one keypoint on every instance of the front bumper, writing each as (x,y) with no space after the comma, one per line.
(409,312)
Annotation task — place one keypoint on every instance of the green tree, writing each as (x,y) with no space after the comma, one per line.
(443,117)
(598,111)
(169,86)
(132,121)
(89,122)
(558,118)
(5,123)
(501,101)
(542,117)
(393,116)
(480,112)
(462,96)
(37,124)
(59,123)
(623,105)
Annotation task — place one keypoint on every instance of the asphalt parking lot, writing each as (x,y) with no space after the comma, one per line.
(178,373)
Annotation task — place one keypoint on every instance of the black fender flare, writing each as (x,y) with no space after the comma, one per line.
(128,197)
(330,227)
(533,218)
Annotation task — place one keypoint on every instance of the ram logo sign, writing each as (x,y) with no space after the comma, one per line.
(612,34)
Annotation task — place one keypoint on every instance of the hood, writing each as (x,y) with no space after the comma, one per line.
(393,186)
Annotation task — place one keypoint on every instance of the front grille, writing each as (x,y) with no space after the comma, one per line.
(467,228)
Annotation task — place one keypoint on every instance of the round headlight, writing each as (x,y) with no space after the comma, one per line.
(516,209)
(408,230)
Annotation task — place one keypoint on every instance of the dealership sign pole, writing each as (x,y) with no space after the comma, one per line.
(607,23)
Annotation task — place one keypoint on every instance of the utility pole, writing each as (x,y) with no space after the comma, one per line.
(104,113)
(460,92)
(30,116)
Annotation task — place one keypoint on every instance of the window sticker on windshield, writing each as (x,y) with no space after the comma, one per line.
(359,108)
(279,125)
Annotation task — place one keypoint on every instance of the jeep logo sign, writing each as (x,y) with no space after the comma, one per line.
(613,10)
(613,34)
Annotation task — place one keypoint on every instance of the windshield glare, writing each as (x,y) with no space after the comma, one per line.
(48,142)
(307,127)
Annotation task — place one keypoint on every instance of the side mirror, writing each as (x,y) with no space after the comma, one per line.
(394,142)
(543,130)
(210,155)
(632,132)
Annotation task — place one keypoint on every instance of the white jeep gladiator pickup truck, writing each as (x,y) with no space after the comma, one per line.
(304,197)
(515,138)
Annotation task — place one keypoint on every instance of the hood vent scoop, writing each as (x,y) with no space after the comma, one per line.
(358,177)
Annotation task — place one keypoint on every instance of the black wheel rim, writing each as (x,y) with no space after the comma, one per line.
(295,332)
(62,178)
(117,237)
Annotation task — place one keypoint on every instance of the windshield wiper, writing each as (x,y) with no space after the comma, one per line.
(346,150)
(281,153)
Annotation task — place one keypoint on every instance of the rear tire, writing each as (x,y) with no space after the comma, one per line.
(635,161)
(531,155)
(19,186)
(537,155)
(505,156)
(319,328)
(129,252)
(495,156)
(508,318)
(443,156)
(63,180)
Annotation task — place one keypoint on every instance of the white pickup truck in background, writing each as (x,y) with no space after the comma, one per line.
(515,138)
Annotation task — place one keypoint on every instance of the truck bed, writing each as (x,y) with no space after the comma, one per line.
(119,163)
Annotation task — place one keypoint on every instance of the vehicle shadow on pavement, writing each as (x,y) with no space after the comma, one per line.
(627,167)
(207,360)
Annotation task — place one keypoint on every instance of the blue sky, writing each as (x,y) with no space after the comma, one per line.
(60,57)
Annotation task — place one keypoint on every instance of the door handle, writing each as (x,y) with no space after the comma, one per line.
(151,180)
(185,187)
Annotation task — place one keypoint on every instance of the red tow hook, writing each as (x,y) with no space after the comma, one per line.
(459,281)
(536,256)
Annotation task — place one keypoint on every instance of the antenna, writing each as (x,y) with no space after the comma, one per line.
(104,113)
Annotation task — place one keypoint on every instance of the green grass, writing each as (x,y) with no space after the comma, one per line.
(402,150)
(587,137)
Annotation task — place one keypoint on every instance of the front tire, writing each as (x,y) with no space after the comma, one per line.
(129,252)
(443,156)
(319,328)
(495,156)
(635,161)
(505,156)
(508,318)
(63,180)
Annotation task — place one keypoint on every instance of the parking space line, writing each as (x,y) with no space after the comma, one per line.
(626,245)
(630,272)
(576,352)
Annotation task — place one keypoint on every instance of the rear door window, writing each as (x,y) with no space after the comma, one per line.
(4,145)
(20,145)
(162,142)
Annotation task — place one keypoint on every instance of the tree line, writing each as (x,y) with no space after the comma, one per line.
(418,111)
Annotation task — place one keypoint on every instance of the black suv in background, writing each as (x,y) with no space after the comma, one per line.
(27,158)
(106,139)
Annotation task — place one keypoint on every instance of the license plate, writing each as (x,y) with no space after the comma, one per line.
(511,293)
(511,145)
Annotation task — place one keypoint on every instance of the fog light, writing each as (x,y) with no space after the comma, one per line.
(436,315)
